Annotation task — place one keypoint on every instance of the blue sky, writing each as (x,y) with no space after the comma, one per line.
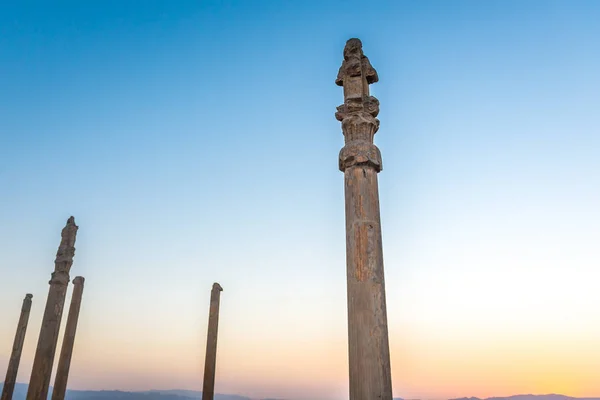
(196,142)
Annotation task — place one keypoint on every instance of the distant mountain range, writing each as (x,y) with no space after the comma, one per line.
(532,397)
(21,392)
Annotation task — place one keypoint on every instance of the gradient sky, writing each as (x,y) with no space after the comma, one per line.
(195,141)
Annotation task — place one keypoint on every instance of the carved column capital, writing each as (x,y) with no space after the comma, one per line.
(66,249)
(59,278)
(360,109)
(360,152)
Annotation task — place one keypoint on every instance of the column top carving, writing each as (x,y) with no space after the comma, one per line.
(217,287)
(360,109)
(28,296)
(66,250)
(355,75)
(355,64)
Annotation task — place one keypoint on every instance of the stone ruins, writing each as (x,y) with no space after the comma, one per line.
(360,161)
(15,356)
(46,347)
(210,363)
(64,360)
(368,347)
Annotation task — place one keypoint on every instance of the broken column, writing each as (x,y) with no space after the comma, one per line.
(210,362)
(15,355)
(66,352)
(46,347)
(360,161)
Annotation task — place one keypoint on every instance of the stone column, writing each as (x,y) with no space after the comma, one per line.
(210,362)
(15,355)
(64,360)
(46,347)
(360,161)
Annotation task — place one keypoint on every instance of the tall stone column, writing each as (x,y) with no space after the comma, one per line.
(15,355)
(360,161)
(64,360)
(46,347)
(210,362)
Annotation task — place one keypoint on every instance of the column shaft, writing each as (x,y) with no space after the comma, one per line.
(66,352)
(360,160)
(369,358)
(46,347)
(210,363)
(15,355)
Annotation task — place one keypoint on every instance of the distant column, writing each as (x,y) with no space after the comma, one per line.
(64,360)
(210,363)
(360,160)
(46,347)
(15,356)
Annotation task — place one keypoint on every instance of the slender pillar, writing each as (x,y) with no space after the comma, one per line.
(15,355)
(360,161)
(46,347)
(66,351)
(210,362)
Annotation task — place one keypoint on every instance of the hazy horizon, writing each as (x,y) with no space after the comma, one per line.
(20,390)
(196,142)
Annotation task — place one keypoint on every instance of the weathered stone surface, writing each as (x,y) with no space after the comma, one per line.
(360,160)
(15,355)
(66,352)
(360,153)
(46,347)
(210,363)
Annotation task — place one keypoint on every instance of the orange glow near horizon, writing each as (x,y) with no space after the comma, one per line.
(443,344)
(424,365)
